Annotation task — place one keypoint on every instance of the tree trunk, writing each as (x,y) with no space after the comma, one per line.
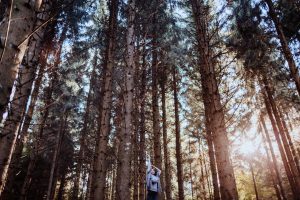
(61,190)
(202,179)
(83,134)
(53,77)
(100,161)
(27,74)
(124,179)
(165,136)
(272,165)
(253,179)
(282,133)
(281,149)
(290,142)
(142,152)
(89,184)
(284,45)
(23,90)
(213,167)
(15,35)
(190,171)
(7,143)
(28,177)
(54,162)
(178,138)
(155,106)
(15,161)
(213,108)
(135,141)
(207,179)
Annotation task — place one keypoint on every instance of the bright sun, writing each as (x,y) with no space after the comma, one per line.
(247,147)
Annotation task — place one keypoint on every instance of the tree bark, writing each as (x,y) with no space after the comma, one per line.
(142,152)
(178,138)
(15,162)
(214,113)
(213,167)
(124,179)
(14,35)
(165,136)
(155,107)
(190,171)
(100,161)
(284,45)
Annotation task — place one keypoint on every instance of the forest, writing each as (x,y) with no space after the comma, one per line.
(108,99)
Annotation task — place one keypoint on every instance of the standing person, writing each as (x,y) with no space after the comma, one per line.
(153,181)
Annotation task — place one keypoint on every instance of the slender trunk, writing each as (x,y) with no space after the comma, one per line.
(124,180)
(53,77)
(290,142)
(284,45)
(282,133)
(178,138)
(202,180)
(89,184)
(7,146)
(135,141)
(213,108)
(100,161)
(155,107)
(15,162)
(14,37)
(280,146)
(83,136)
(19,104)
(165,136)
(213,167)
(272,165)
(28,178)
(207,179)
(61,190)
(114,182)
(54,162)
(254,181)
(44,115)
(34,96)
(142,130)
(190,170)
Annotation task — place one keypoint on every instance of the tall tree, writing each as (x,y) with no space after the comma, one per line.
(100,161)
(167,176)
(214,112)
(284,45)
(178,137)
(124,179)
(84,132)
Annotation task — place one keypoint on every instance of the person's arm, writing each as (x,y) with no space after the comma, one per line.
(158,170)
(148,165)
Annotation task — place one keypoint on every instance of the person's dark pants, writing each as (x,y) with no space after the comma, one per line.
(152,195)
